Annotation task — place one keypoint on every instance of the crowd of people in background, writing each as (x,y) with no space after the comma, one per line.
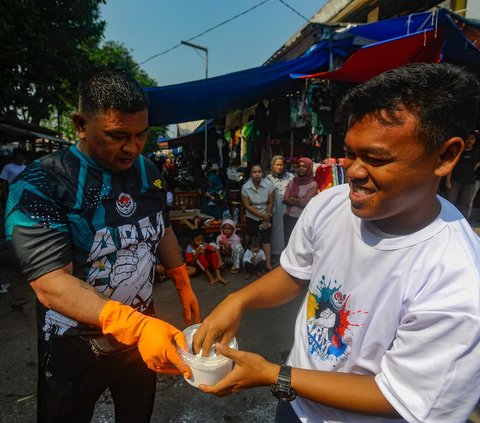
(273,201)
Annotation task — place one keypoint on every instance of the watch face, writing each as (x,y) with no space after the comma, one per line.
(283,393)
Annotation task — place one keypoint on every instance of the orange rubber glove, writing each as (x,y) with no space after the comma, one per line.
(156,340)
(191,310)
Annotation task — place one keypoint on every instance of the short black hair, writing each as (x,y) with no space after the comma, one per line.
(443,97)
(106,89)
(194,233)
(254,242)
(251,166)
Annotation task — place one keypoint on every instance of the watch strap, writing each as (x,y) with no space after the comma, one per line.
(285,375)
(283,388)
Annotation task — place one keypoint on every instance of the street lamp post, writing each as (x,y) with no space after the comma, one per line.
(205,50)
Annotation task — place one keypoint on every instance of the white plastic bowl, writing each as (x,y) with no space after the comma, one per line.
(205,370)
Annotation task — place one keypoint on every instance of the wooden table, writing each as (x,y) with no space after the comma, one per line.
(189,218)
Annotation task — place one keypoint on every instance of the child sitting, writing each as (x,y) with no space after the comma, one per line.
(229,245)
(254,259)
(203,256)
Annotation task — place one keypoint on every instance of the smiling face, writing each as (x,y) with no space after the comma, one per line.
(113,139)
(393,182)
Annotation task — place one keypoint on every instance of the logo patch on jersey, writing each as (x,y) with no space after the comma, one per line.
(158,183)
(125,205)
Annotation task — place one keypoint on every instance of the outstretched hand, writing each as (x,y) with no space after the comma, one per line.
(251,370)
(221,325)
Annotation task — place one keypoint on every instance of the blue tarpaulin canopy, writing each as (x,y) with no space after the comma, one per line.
(213,97)
(451,36)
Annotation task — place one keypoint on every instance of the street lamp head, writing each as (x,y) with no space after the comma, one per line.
(189,44)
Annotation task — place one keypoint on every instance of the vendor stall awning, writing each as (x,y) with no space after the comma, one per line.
(21,130)
(422,37)
(374,59)
(215,97)
(370,48)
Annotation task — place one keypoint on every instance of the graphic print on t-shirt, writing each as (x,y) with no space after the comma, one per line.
(330,322)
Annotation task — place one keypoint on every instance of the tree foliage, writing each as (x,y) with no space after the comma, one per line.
(115,54)
(47,48)
(111,54)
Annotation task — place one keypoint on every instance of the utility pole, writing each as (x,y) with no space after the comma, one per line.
(205,50)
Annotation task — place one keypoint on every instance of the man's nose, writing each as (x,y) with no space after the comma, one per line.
(355,169)
(130,146)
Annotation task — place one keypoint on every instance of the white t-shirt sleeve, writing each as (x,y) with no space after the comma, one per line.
(297,257)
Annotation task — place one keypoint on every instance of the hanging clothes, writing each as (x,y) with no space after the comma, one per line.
(330,173)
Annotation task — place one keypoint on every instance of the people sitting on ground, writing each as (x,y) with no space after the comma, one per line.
(203,257)
(229,245)
(299,192)
(254,259)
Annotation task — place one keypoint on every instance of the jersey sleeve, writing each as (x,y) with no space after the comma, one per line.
(36,226)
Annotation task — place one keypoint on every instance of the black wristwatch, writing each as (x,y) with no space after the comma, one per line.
(283,388)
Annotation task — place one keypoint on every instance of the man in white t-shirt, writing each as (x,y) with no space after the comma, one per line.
(390,324)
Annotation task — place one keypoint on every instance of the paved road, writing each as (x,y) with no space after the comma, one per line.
(269,332)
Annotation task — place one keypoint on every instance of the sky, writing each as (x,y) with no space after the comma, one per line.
(149,27)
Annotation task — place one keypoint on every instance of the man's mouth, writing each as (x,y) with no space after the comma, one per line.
(359,192)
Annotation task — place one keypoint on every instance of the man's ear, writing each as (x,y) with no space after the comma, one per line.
(80,124)
(448,156)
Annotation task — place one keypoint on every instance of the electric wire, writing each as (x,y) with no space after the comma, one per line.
(206,31)
(294,10)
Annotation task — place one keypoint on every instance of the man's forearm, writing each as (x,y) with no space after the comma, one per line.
(345,391)
(70,296)
(167,250)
